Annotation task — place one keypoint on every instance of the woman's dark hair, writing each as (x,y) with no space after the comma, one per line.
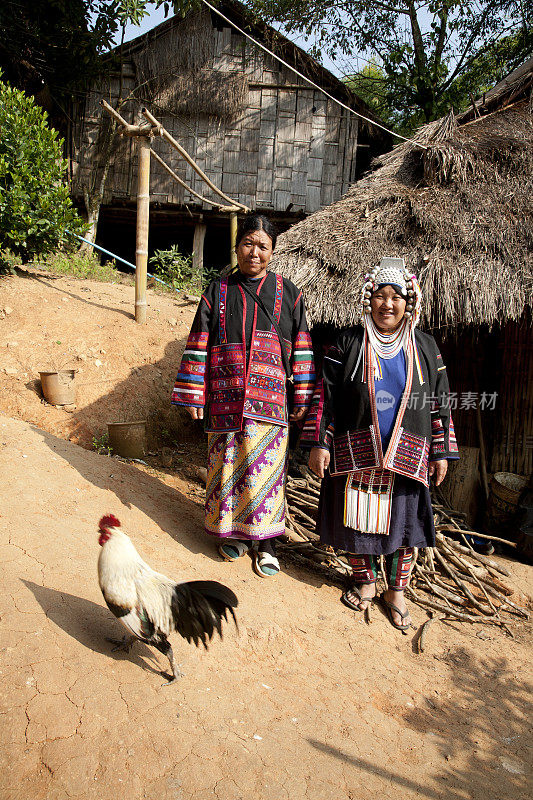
(256,222)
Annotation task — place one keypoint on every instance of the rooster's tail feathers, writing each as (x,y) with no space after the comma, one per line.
(198,608)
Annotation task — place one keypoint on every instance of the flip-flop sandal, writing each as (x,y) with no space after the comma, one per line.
(265,564)
(233,550)
(389,608)
(355,606)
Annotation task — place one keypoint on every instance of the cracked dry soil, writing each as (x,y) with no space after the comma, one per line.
(305,702)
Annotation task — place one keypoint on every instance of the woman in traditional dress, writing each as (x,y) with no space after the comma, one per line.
(234,368)
(383,414)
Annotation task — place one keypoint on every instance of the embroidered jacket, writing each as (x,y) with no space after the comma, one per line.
(232,361)
(343,413)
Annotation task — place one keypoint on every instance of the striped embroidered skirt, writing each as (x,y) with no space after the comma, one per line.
(245,496)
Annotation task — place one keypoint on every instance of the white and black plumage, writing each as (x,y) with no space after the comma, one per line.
(152,606)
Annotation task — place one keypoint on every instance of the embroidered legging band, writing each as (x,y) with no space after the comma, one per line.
(398,568)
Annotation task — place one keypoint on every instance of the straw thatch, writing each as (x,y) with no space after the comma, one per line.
(220,95)
(176,78)
(459,211)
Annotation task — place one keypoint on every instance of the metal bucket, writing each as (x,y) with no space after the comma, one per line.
(128,439)
(58,387)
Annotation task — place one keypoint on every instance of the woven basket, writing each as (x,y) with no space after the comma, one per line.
(505,488)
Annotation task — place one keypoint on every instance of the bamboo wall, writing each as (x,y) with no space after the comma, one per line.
(283,146)
(497,362)
(513,437)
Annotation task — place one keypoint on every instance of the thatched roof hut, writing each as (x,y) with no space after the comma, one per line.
(458,208)
(261,133)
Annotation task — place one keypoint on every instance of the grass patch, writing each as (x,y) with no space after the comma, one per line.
(80,265)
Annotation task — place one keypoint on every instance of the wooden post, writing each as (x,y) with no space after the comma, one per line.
(198,248)
(144,135)
(143,219)
(233,238)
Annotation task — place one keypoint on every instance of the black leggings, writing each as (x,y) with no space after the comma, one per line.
(265,545)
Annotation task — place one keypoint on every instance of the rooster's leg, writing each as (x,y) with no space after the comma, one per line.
(166,649)
(123,644)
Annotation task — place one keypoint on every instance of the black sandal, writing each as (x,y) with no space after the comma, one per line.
(356,606)
(389,608)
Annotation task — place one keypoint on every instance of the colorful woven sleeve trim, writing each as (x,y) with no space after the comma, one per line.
(442,445)
(452,441)
(303,369)
(189,387)
(311,428)
(329,436)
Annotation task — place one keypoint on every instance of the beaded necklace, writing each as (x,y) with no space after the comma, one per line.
(383,345)
(386,345)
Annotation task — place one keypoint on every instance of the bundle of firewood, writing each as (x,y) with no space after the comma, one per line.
(450,580)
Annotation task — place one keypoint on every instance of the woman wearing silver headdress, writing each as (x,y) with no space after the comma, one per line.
(382,426)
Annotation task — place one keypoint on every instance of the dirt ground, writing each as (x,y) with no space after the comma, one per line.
(304,702)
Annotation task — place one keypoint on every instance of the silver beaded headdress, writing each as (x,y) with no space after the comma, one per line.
(394,272)
(391,271)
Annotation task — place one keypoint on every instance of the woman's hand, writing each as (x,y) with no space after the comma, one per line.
(319,461)
(298,414)
(195,413)
(439,470)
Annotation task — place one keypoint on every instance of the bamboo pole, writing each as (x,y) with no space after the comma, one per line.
(233,238)
(143,220)
(127,129)
(189,188)
(482,453)
(144,134)
(189,159)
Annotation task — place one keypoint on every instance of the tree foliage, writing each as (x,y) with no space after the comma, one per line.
(35,206)
(53,49)
(56,45)
(429,52)
(53,43)
(371,85)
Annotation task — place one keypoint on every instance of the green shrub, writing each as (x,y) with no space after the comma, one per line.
(172,267)
(35,206)
(177,270)
(80,265)
(8,260)
(101,445)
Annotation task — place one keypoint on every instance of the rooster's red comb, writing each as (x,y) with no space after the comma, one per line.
(108,521)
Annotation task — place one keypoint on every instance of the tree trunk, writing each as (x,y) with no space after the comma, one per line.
(92,210)
(93,194)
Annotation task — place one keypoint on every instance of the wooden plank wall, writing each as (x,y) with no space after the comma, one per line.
(288,146)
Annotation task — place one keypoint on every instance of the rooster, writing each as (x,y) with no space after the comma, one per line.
(149,604)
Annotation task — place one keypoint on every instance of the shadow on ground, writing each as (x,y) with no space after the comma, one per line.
(171,510)
(487,724)
(89,624)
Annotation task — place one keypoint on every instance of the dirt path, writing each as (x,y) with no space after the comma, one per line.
(124,370)
(305,702)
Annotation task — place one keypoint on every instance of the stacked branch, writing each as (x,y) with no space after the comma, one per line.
(451,578)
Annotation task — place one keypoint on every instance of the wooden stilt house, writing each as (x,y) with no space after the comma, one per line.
(260,132)
(459,209)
